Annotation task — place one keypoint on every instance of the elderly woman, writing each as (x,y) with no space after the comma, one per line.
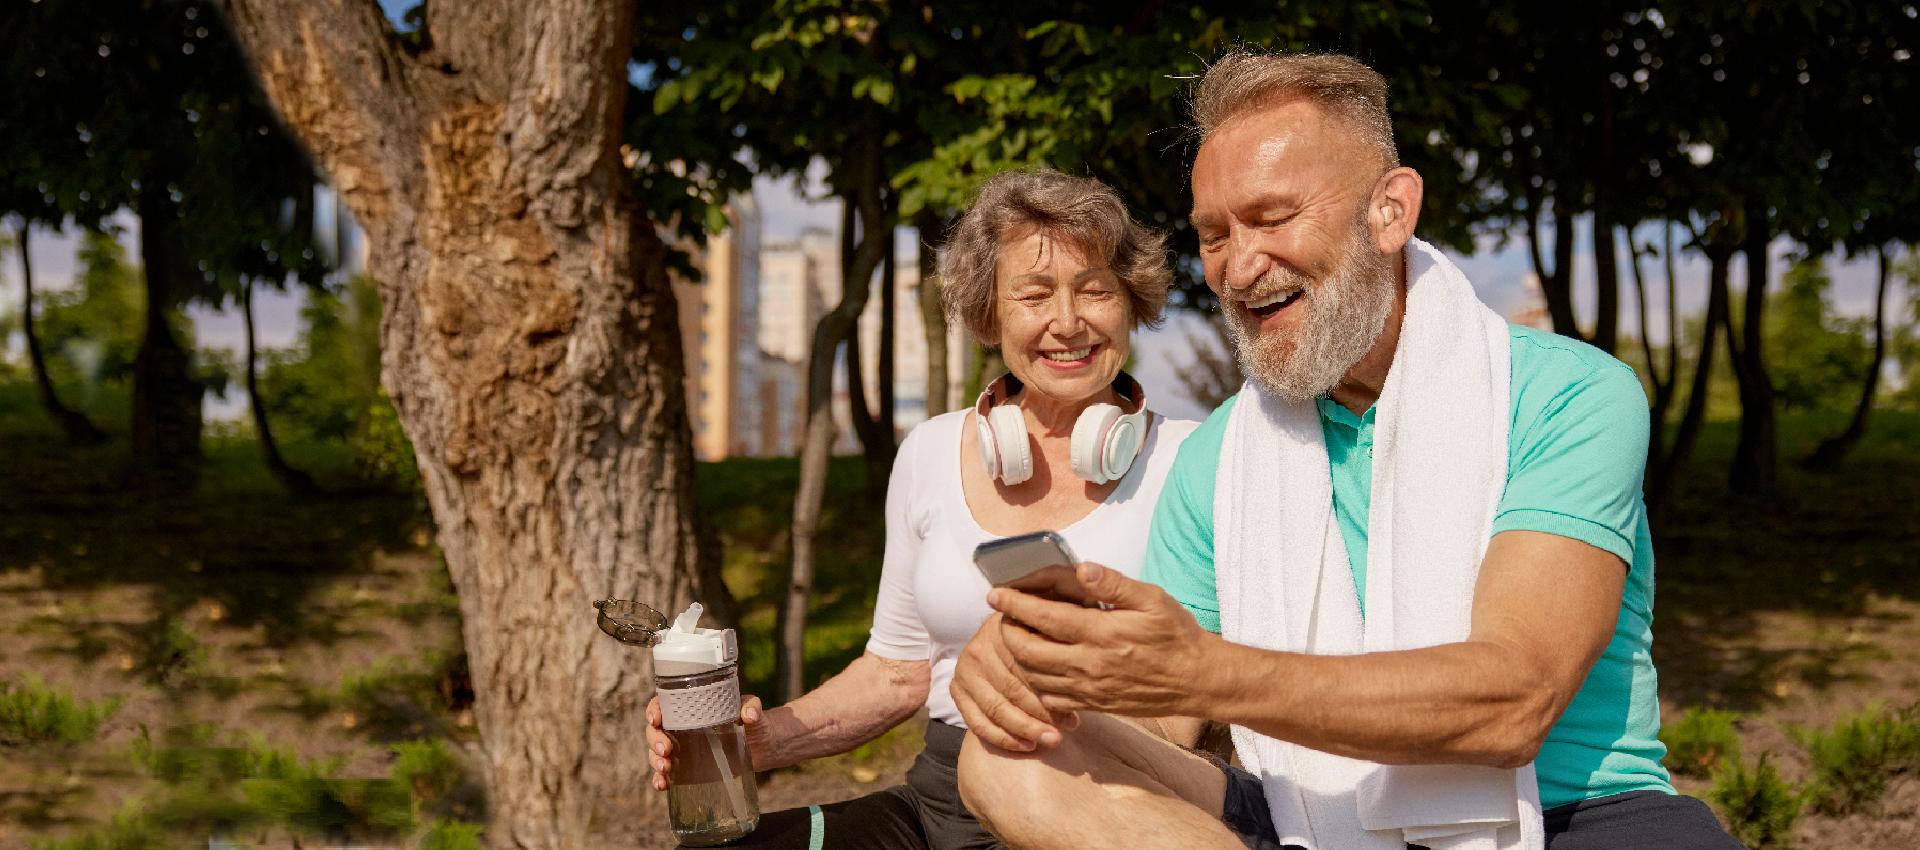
(1053,271)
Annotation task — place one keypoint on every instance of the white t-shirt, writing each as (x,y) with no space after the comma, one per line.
(932,598)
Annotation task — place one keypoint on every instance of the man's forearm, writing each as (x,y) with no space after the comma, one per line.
(1459,703)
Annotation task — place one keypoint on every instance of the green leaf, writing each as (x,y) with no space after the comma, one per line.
(667,97)
(770,79)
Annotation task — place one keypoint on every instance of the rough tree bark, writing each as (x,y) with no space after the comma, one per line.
(817,448)
(1755,456)
(530,347)
(78,428)
(933,314)
(1834,449)
(166,398)
(295,480)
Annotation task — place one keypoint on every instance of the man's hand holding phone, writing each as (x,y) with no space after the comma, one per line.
(1037,662)
(988,686)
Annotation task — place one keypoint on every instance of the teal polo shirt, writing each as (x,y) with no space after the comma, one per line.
(1576,450)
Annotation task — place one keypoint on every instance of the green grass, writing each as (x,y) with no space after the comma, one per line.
(206,781)
(31,712)
(749,502)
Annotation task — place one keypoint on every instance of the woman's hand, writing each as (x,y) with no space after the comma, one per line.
(660,744)
(995,699)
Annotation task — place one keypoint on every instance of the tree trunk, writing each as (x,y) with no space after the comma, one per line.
(866,426)
(78,428)
(1834,449)
(1754,457)
(933,314)
(1660,479)
(1673,305)
(531,350)
(1662,398)
(817,449)
(889,302)
(166,398)
(1606,268)
(1555,282)
(296,481)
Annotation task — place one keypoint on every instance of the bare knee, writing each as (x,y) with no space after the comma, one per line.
(1000,787)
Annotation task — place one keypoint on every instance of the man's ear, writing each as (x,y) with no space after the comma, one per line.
(1395,208)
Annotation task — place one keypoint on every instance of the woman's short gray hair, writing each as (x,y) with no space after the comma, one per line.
(1079,210)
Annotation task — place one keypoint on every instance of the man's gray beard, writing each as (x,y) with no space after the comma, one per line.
(1345,314)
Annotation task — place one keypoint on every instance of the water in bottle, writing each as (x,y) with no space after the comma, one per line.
(711,799)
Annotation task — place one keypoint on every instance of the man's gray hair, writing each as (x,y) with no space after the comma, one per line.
(1080,211)
(1242,80)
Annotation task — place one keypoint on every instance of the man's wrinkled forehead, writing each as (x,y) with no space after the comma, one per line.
(1289,142)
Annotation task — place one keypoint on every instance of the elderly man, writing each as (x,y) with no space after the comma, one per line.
(1408,563)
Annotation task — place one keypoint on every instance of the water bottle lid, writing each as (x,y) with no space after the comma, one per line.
(686,648)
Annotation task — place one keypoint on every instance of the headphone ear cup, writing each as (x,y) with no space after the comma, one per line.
(1122,444)
(1090,440)
(1010,443)
(989,453)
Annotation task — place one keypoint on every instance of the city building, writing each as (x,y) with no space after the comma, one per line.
(719,318)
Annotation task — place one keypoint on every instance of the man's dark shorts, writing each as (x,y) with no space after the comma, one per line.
(1652,820)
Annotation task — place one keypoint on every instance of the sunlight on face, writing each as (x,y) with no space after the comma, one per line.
(1064,325)
(1280,205)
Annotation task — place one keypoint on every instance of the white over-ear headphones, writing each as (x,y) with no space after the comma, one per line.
(1105,438)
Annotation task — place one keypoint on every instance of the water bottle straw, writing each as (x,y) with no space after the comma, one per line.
(734,794)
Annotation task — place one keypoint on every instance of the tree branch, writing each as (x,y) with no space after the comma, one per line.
(335,72)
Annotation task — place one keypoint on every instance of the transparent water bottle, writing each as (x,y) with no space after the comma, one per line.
(711,799)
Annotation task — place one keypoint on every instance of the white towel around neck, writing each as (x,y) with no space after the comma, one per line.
(1439,470)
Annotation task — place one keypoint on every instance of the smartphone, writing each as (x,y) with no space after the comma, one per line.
(1010,559)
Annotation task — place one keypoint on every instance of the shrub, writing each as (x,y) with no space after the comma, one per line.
(130,829)
(1699,740)
(1760,806)
(451,835)
(32,712)
(1853,761)
(427,769)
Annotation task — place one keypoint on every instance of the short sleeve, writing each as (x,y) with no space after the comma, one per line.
(1575,471)
(1180,540)
(898,631)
